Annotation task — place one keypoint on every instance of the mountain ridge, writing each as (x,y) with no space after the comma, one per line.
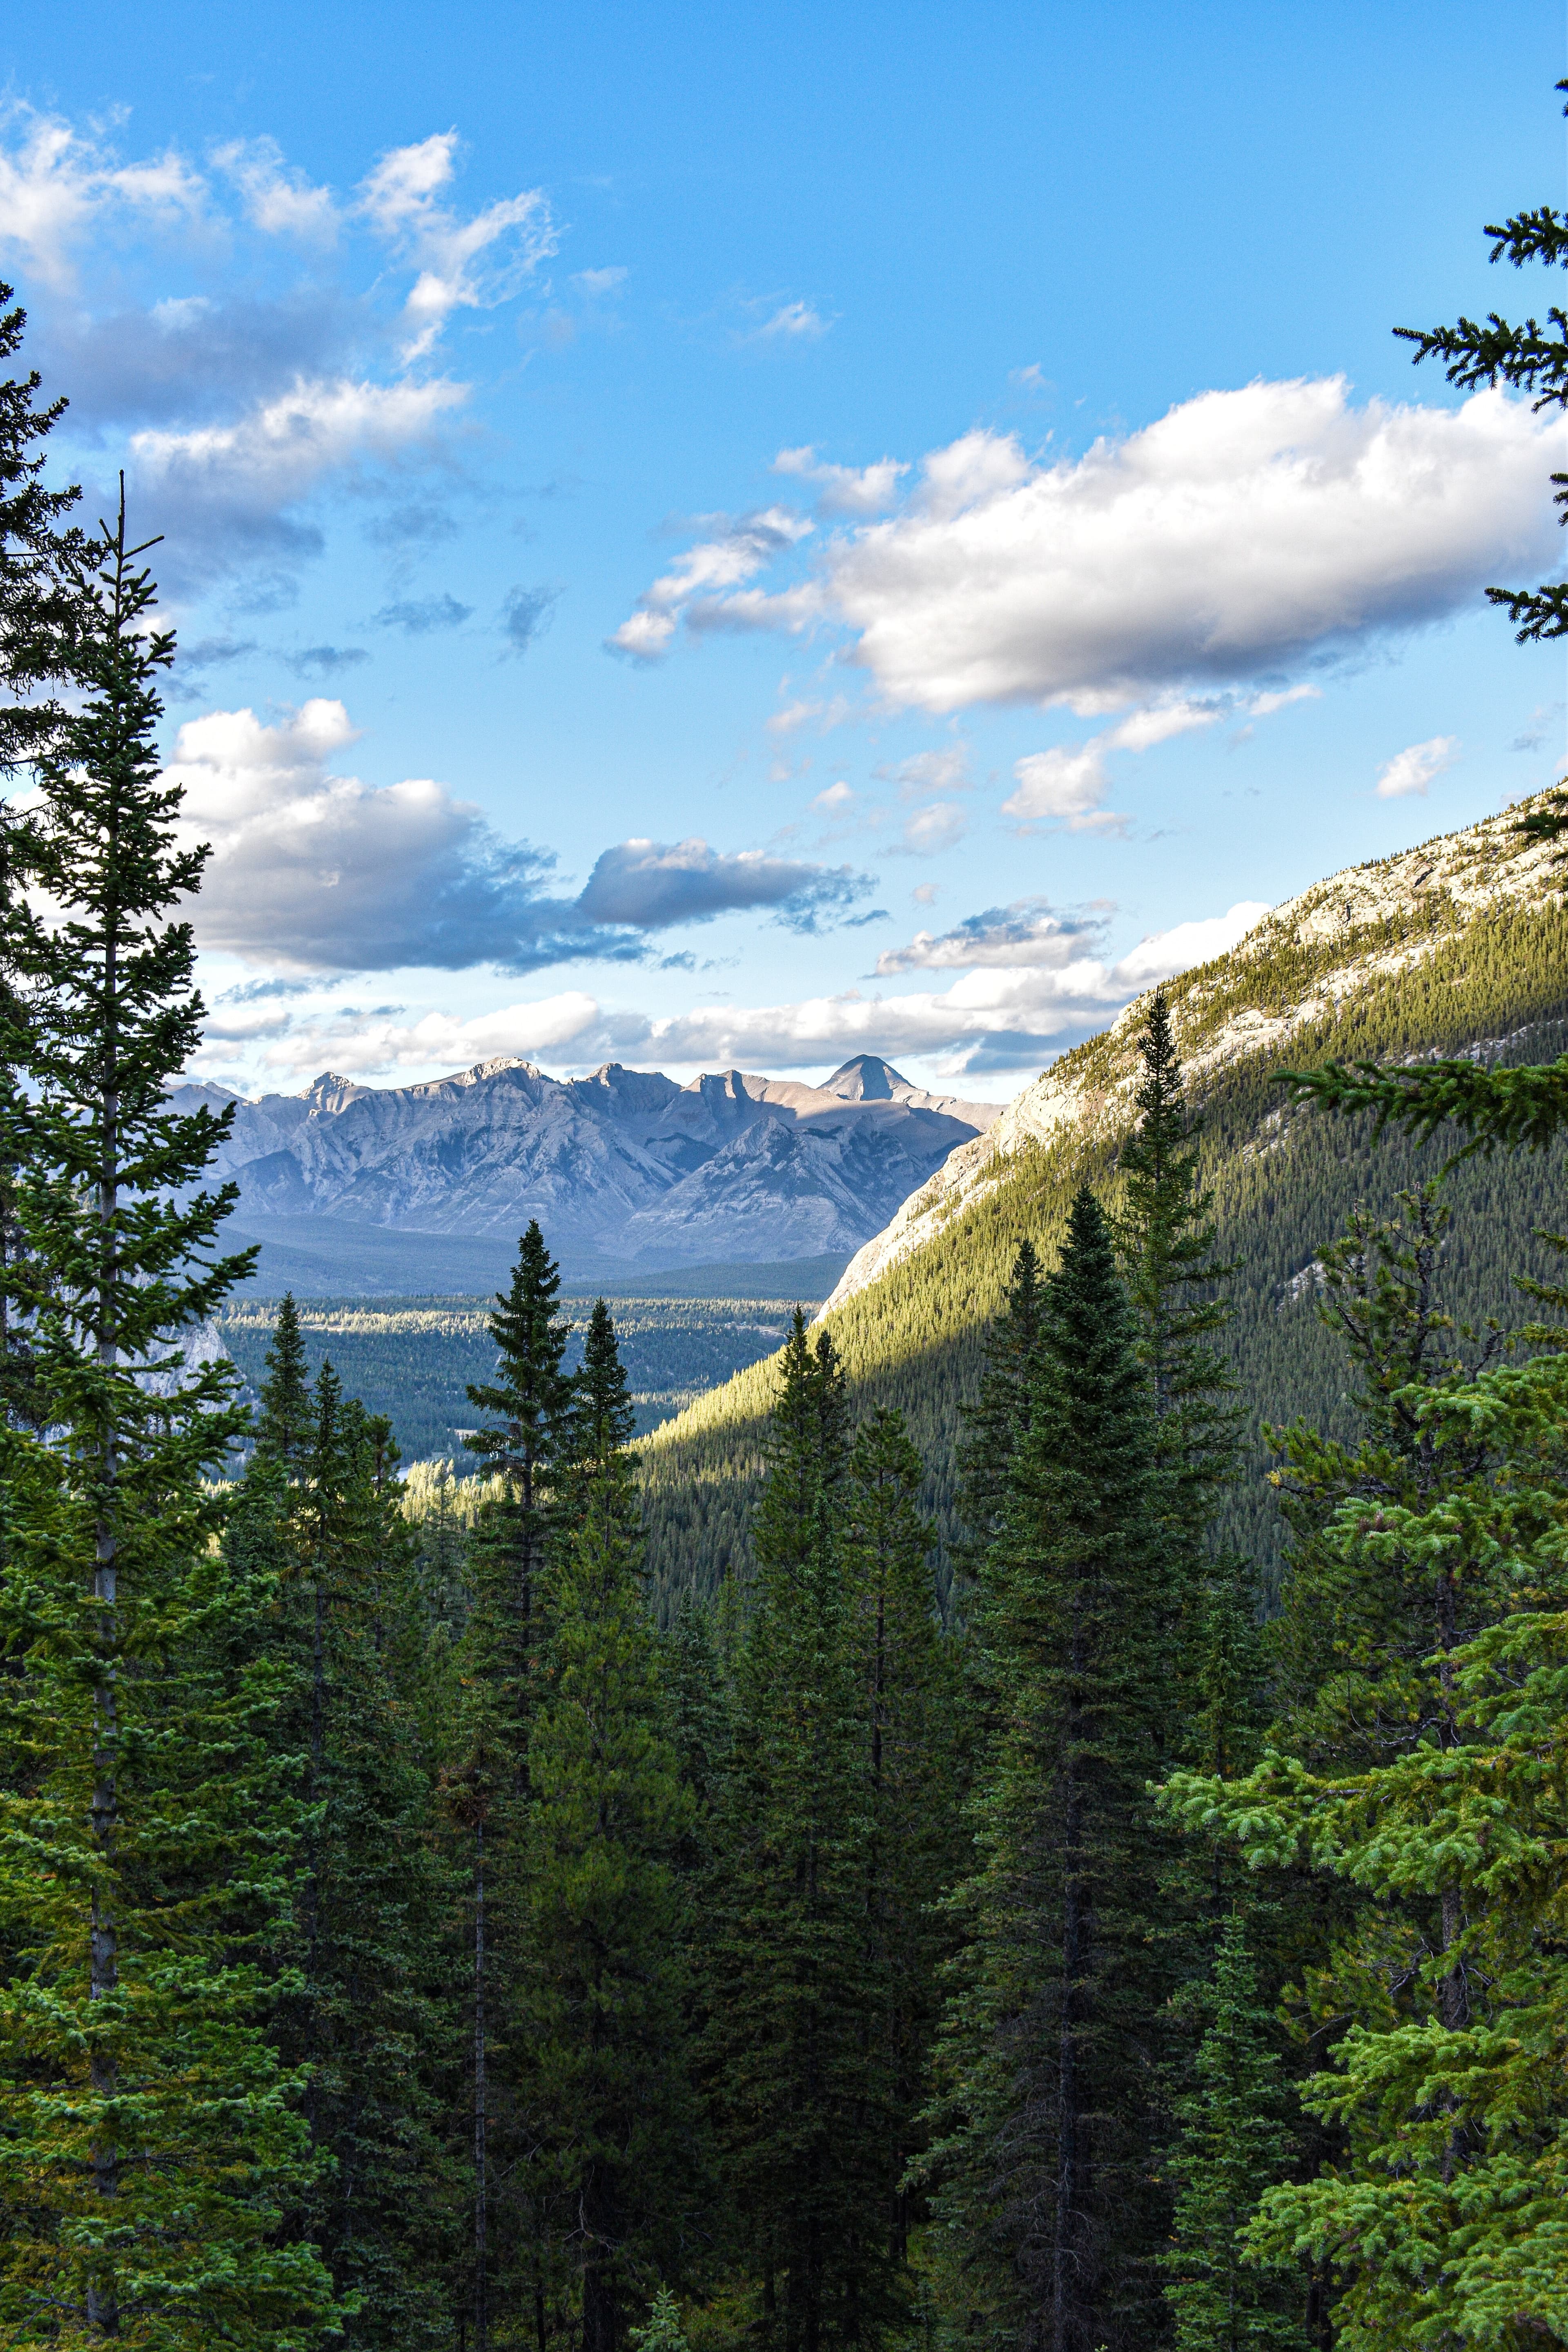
(623,1165)
(1459,946)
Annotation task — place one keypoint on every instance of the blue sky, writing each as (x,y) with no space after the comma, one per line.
(705,538)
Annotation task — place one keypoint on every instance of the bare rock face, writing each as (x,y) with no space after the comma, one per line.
(624,1164)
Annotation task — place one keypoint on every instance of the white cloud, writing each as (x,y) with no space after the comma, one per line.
(942,824)
(795,323)
(54,184)
(1028,935)
(836,799)
(599,281)
(844,489)
(995,1016)
(311,871)
(358,1046)
(316,872)
(1412,769)
(213,477)
(1158,722)
(1241,532)
(942,770)
(1064,785)
(1164,953)
(737,549)
(279,198)
(471,264)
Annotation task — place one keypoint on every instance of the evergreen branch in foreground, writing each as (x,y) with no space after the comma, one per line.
(1511,1108)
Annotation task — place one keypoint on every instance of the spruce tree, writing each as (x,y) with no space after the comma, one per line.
(1048,2061)
(284,1424)
(911,1678)
(993,1425)
(609,2110)
(42,559)
(158,2140)
(1234,2144)
(798,2045)
(528,1398)
(368,2017)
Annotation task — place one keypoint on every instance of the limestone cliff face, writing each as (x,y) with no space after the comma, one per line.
(1362,927)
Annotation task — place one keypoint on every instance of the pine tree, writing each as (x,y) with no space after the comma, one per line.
(1048,2064)
(798,2046)
(610,2116)
(157,2138)
(1234,2144)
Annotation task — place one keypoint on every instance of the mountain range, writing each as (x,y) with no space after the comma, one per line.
(1458,947)
(625,1170)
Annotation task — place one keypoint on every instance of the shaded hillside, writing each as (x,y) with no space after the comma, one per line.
(1461,946)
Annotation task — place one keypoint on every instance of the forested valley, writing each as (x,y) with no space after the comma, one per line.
(1062,1935)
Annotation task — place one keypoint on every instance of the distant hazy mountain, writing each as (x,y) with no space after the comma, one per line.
(625,1166)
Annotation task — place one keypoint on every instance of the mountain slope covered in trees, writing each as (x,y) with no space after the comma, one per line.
(1459,946)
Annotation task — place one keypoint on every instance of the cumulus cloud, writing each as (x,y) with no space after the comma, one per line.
(1064,786)
(1412,769)
(652,885)
(1243,532)
(361,1045)
(225,488)
(995,1016)
(738,549)
(1029,934)
(471,264)
(316,871)
(844,489)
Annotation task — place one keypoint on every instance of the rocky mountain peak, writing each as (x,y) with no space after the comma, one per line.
(866,1078)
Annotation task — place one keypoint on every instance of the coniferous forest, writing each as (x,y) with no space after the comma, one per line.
(1069,1939)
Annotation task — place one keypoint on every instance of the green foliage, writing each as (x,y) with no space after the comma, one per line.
(616,2159)
(1529,359)
(153,2140)
(1048,2067)
(797,2050)
(1235,2142)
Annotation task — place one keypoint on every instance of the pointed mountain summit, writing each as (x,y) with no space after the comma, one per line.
(866,1079)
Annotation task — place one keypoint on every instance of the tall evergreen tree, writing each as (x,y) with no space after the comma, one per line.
(526,1442)
(993,1425)
(42,559)
(610,2116)
(528,1398)
(156,2139)
(798,2049)
(911,1676)
(1236,2144)
(365,1942)
(1048,2061)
